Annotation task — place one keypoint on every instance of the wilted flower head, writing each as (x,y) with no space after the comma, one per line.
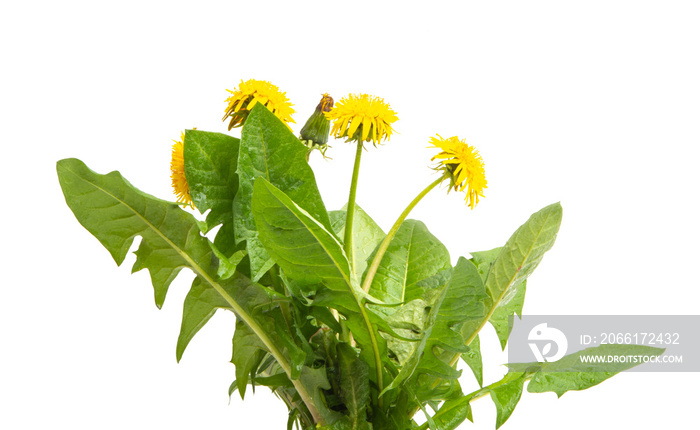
(251,92)
(362,118)
(463,164)
(177,175)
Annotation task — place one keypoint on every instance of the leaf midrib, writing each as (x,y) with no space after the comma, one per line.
(234,305)
(502,294)
(346,278)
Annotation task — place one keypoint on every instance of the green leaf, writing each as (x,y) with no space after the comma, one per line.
(248,351)
(354,385)
(210,168)
(115,212)
(316,381)
(367,235)
(483,260)
(463,303)
(274,381)
(269,150)
(409,321)
(501,319)
(201,303)
(342,424)
(308,253)
(460,300)
(227,265)
(225,247)
(406,274)
(514,264)
(572,373)
(452,413)
(324,315)
(300,245)
(522,253)
(506,395)
(473,360)
(413,255)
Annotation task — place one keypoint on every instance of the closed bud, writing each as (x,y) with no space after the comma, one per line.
(315,132)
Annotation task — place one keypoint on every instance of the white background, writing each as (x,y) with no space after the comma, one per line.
(594,104)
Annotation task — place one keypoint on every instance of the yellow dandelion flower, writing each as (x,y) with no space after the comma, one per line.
(464,165)
(252,92)
(177,176)
(362,118)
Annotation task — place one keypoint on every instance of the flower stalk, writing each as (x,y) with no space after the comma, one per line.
(372,270)
(350,214)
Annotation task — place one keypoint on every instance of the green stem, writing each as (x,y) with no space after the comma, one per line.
(350,214)
(387,240)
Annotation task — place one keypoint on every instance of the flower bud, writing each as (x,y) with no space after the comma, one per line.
(315,132)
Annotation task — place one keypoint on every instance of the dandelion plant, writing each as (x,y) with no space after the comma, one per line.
(351,327)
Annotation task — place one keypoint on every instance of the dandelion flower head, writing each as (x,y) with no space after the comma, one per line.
(177,175)
(252,92)
(362,118)
(464,165)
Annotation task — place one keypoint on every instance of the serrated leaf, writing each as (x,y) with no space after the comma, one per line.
(274,381)
(341,424)
(413,255)
(502,317)
(300,245)
(408,321)
(248,351)
(269,150)
(483,260)
(201,303)
(115,212)
(227,265)
(506,395)
(572,373)
(316,381)
(309,254)
(210,169)
(404,276)
(354,385)
(367,235)
(473,360)
(513,265)
(522,253)
(451,414)
(460,300)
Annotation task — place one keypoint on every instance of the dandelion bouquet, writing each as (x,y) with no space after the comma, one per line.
(351,327)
